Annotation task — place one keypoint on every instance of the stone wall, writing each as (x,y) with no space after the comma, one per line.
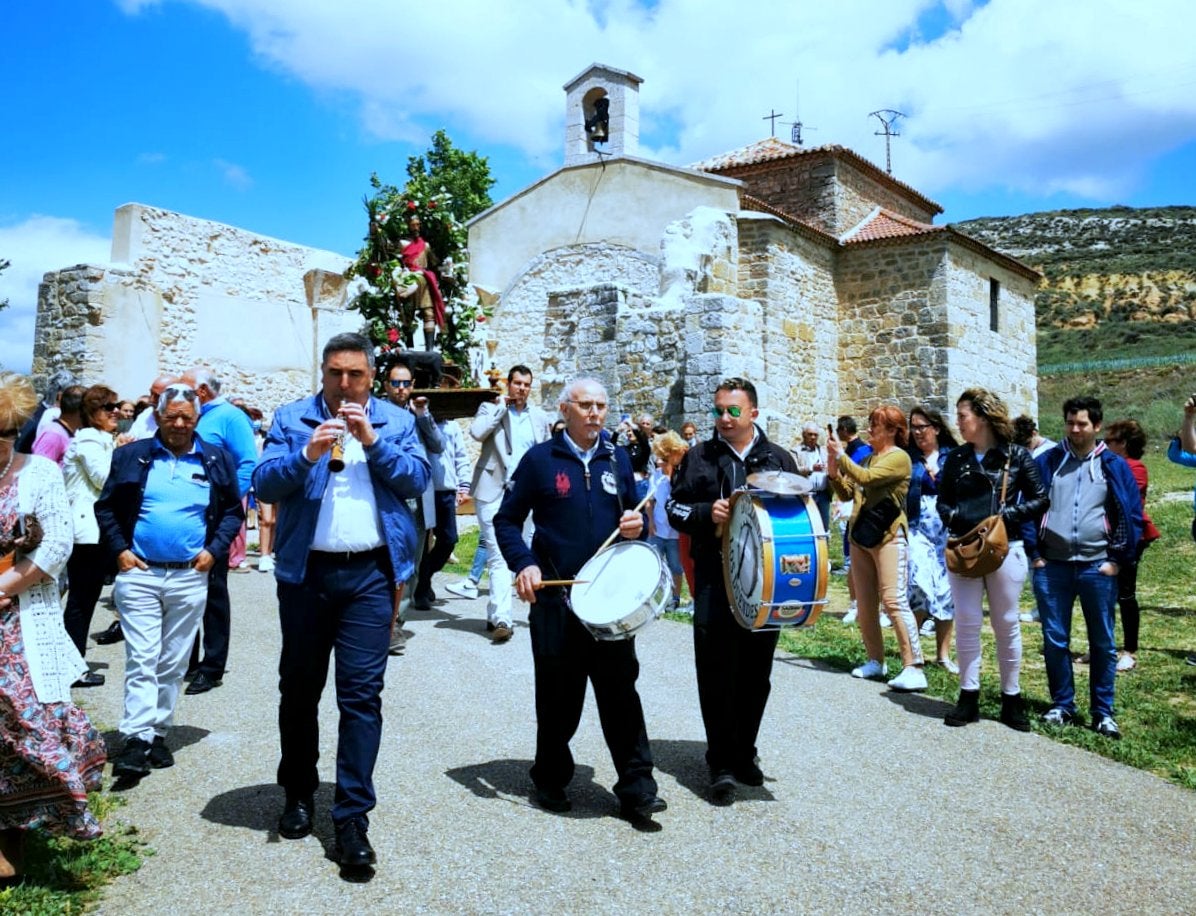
(1004,360)
(189,291)
(894,326)
(859,193)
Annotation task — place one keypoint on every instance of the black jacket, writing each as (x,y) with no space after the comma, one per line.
(709,472)
(971,492)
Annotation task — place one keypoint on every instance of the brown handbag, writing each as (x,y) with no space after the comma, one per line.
(983,549)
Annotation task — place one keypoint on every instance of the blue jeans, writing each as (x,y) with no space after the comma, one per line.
(1056,587)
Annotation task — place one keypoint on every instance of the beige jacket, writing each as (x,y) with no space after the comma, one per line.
(492,428)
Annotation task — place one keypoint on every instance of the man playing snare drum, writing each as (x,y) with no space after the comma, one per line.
(579,488)
(733,664)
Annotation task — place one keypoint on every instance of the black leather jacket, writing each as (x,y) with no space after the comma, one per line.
(970,492)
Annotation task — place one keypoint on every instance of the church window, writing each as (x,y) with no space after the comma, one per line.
(994,304)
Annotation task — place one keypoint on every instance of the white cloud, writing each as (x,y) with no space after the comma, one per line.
(1074,94)
(235,176)
(36,246)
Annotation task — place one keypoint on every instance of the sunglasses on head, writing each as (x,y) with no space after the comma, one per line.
(173,393)
(401,382)
(733,410)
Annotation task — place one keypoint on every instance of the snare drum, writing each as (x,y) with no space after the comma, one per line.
(623,588)
(775,560)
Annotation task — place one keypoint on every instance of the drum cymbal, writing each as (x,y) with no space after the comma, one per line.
(782,483)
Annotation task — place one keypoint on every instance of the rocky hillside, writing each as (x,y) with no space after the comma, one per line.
(1104,267)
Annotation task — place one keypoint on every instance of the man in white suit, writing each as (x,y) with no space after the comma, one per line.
(506,428)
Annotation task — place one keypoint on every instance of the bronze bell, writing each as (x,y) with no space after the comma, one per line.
(598,125)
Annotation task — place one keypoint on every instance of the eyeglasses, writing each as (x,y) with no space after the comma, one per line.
(401,382)
(920,427)
(111,408)
(174,392)
(733,410)
(589,406)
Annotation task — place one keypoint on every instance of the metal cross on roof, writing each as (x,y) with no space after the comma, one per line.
(772,118)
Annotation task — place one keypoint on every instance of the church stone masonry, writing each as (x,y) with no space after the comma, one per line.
(810,271)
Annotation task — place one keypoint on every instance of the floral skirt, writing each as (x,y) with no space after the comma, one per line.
(929,590)
(50,754)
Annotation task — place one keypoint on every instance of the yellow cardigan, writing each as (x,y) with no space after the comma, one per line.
(880,477)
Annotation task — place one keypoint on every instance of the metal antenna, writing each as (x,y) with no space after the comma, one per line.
(795,133)
(773,119)
(888,117)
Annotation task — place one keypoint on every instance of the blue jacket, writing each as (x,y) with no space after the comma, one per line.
(573,516)
(1177,455)
(398,468)
(1123,504)
(919,479)
(119,504)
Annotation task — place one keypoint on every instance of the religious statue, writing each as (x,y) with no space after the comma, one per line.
(424,292)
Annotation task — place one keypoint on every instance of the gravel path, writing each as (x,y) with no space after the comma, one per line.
(870,803)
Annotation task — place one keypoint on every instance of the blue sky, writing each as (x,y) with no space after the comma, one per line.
(271,114)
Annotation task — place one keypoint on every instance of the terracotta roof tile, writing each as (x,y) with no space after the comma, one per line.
(885,224)
(766,150)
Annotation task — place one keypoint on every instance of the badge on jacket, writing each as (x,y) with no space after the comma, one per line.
(609,484)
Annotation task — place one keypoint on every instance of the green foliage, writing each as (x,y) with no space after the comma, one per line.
(445,188)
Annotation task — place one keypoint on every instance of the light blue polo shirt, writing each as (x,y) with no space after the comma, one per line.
(170,527)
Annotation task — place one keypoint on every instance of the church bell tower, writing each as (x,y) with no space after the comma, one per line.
(602,114)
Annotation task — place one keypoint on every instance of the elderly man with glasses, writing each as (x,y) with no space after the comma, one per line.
(170,507)
(734,665)
(578,487)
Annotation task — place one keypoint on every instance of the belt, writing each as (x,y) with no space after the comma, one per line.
(185,564)
(349,556)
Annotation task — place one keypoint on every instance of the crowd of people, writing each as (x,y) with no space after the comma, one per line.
(357,498)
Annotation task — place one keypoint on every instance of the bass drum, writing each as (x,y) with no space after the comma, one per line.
(623,588)
(776,562)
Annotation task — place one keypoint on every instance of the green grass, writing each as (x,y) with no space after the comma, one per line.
(1155,703)
(1115,339)
(67,876)
(1154,397)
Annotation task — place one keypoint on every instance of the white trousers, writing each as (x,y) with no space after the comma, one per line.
(160,611)
(498,605)
(1003,588)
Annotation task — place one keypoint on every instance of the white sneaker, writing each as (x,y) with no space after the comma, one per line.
(910,679)
(927,629)
(265,564)
(1126,662)
(872,670)
(884,620)
(949,664)
(466,589)
(849,617)
(1028,616)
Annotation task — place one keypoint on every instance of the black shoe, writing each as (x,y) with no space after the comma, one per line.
(1013,712)
(966,710)
(190,675)
(353,849)
(90,679)
(722,787)
(133,760)
(111,635)
(421,603)
(202,684)
(642,806)
(295,822)
(398,641)
(554,800)
(748,774)
(159,754)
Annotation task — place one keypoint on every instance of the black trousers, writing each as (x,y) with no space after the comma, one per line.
(217,624)
(85,570)
(565,655)
(446,539)
(734,667)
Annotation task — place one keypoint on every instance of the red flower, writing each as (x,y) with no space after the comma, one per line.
(375,270)
(392,335)
(431,205)
(411,205)
(481,319)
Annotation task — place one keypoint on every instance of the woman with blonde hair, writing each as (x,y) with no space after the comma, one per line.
(970,489)
(50,755)
(879,535)
(668,449)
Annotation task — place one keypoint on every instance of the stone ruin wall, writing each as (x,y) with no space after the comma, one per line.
(858,194)
(188,291)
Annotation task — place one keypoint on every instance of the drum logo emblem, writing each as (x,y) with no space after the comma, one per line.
(608,483)
(795,564)
(562,484)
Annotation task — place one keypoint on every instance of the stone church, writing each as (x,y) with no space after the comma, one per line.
(810,271)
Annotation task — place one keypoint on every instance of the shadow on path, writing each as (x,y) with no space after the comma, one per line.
(507,780)
(685,761)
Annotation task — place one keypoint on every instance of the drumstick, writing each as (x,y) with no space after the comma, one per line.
(548,583)
(614,534)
